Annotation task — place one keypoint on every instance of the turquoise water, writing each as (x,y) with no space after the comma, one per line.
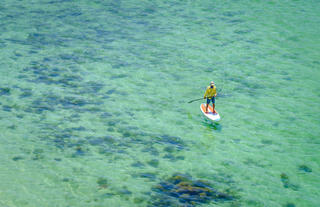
(94,112)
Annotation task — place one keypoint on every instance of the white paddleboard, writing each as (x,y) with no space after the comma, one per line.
(209,115)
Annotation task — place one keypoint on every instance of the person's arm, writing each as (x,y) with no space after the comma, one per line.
(215,92)
(205,94)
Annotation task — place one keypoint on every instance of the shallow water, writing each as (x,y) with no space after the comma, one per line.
(94,112)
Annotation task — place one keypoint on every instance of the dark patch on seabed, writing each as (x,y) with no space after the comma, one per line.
(69,79)
(183,190)
(4,91)
(289,205)
(76,138)
(304,168)
(287,183)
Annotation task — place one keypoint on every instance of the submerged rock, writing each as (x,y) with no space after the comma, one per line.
(26,94)
(172,141)
(79,151)
(4,91)
(290,205)
(138,164)
(124,191)
(153,162)
(17,158)
(285,180)
(38,154)
(7,108)
(305,168)
(286,183)
(183,190)
(150,176)
(102,183)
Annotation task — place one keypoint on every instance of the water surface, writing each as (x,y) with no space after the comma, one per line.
(94,112)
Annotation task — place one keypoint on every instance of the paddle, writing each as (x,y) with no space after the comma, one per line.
(198,99)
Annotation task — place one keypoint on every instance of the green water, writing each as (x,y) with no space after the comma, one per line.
(94,112)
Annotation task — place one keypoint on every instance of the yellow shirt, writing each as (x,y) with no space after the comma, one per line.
(210,92)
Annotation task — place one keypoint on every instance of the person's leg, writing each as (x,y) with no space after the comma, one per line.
(213,105)
(208,102)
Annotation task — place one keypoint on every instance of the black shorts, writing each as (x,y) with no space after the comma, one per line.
(213,100)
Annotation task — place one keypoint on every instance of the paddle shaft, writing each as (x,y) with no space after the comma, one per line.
(198,99)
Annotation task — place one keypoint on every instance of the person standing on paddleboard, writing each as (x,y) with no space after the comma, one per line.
(210,95)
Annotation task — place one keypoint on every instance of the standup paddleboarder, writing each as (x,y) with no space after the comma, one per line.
(210,95)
